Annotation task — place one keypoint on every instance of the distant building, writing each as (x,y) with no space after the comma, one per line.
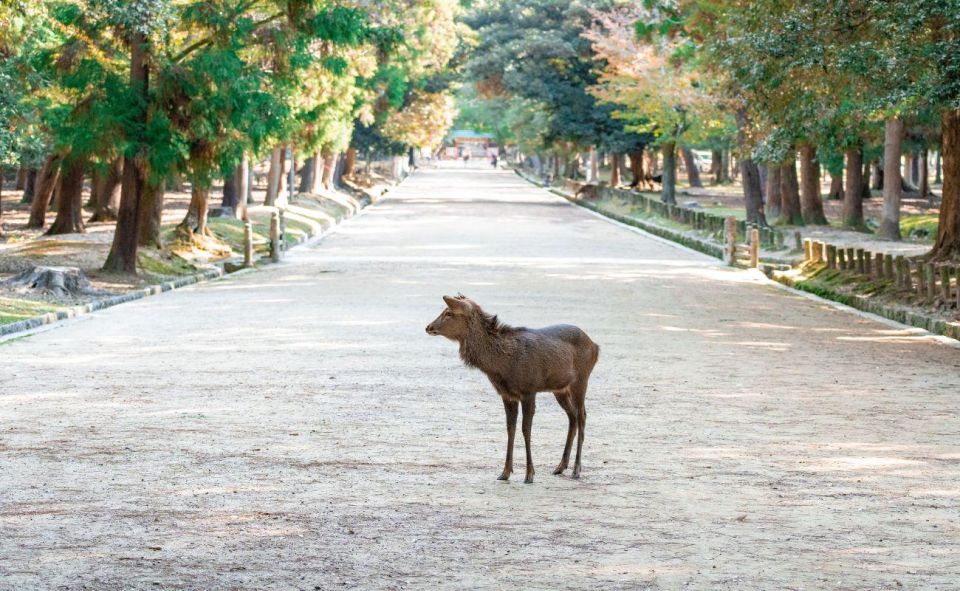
(467,141)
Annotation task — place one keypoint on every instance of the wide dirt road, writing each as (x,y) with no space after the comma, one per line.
(296,428)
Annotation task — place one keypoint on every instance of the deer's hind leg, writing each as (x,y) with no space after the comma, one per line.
(511,407)
(578,395)
(563,397)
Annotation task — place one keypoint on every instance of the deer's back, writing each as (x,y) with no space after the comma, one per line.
(550,358)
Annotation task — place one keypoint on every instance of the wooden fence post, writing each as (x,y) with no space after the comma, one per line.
(247,244)
(754,248)
(731,240)
(841,259)
(807,250)
(945,283)
(831,256)
(903,275)
(816,252)
(888,268)
(796,240)
(867,263)
(275,237)
(931,277)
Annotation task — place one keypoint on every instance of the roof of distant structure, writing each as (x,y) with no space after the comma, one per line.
(464,134)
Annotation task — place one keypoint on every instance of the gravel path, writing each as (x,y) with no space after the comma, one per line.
(296,428)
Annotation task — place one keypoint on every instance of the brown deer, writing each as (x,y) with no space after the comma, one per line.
(520,362)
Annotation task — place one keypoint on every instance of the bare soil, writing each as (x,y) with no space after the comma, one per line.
(295,428)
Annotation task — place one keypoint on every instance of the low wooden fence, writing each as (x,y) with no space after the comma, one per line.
(697,218)
(929,281)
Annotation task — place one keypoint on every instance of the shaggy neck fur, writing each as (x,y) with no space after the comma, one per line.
(488,344)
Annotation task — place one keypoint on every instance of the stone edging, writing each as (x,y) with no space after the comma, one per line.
(930,324)
(215,273)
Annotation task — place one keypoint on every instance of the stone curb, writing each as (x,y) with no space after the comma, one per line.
(217,272)
(906,316)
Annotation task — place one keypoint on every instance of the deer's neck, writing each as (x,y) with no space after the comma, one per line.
(486,352)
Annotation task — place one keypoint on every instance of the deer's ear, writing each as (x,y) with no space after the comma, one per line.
(456,303)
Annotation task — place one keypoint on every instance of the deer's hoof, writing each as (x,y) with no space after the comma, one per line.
(559,469)
(528,479)
(504,476)
(576,473)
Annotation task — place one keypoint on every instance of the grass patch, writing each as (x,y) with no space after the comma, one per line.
(14,310)
(920,227)
(160,266)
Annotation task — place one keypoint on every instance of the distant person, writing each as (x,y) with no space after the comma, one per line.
(466,158)
(493,160)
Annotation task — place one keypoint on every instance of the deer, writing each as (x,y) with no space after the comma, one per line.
(520,363)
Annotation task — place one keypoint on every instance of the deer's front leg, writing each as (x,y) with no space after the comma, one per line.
(511,407)
(529,407)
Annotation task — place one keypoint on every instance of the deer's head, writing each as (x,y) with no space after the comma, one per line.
(454,321)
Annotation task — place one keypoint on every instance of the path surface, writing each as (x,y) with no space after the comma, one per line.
(296,428)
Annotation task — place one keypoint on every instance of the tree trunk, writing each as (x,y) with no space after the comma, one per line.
(242,181)
(47,182)
(636,168)
(594,170)
(693,173)
(836,187)
(69,218)
(21,178)
(123,251)
(150,215)
(924,180)
(668,193)
(892,181)
(811,204)
(195,222)
(853,192)
(774,196)
(615,161)
(107,193)
(307,174)
(350,162)
(908,168)
(274,176)
(752,195)
(231,196)
(790,193)
(716,161)
(865,177)
(876,177)
(938,178)
(329,163)
(948,229)
(29,186)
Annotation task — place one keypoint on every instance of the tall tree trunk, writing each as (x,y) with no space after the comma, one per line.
(195,222)
(29,186)
(47,182)
(21,178)
(242,181)
(716,162)
(350,162)
(924,171)
(892,181)
(69,218)
(594,170)
(107,193)
(836,187)
(909,167)
(307,174)
(790,193)
(636,168)
(853,192)
(948,229)
(150,215)
(752,195)
(274,176)
(774,196)
(811,204)
(876,175)
(123,251)
(865,177)
(938,178)
(316,183)
(668,193)
(329,163)
(693,173)
(615,161)
(231,196)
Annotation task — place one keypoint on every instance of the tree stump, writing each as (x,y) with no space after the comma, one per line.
(55,281)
